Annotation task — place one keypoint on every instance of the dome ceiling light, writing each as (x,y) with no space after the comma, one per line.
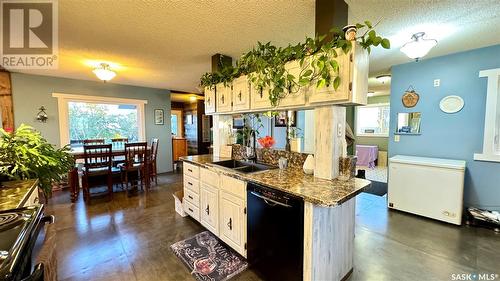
(103,72)
(383,78)
(418,47)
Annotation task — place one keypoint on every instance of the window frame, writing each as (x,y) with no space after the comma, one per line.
(492,109)
(63,109)
(374,135)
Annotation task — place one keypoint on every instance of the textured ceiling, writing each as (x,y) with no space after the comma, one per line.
(168,44)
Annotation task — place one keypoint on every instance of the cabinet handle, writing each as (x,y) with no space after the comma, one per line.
(222,98)
(190,183)
(207,210)
(230,224)
(36,200)
(239,95)
(190,209)
(190,197)
(208,101)
(190,170)
(261,93)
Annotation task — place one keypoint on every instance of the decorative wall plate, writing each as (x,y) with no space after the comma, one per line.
(451,104)
(410,98)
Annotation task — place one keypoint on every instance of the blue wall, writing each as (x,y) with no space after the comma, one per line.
(454,136)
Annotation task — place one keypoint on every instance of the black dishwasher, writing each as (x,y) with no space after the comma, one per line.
(275,233)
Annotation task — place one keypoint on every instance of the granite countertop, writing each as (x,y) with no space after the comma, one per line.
(322,192)
(14,193)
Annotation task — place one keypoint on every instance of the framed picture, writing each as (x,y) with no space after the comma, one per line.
(280,119)
(159,117)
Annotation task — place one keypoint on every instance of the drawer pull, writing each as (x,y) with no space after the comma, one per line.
(230,224)
(190,170)
(191,210)
(190,183)
(190,197)
(207,210)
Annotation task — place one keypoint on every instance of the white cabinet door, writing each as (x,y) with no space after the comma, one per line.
(328,93)
(209,208)
(233,222)
(224,98)
(259,98)
(241,94)
(210,100)
(294,96)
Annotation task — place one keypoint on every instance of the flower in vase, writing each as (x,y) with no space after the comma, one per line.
(266,142)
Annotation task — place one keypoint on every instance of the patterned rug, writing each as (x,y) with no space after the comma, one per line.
(209,259)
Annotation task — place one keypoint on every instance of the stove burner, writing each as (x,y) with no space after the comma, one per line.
(7,218)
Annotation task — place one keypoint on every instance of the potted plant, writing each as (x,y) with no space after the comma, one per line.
(25,154)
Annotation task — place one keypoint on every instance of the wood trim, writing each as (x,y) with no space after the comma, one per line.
(74,97)
(6,103)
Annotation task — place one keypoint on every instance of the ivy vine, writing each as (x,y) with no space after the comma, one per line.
(266,68)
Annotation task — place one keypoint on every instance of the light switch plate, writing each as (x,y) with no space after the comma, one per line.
(437,82)
(396,138)
(339,130)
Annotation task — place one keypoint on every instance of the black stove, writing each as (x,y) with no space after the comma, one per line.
(19,229)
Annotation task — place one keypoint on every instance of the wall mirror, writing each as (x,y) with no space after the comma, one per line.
(408,123)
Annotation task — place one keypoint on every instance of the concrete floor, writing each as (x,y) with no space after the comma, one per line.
(129,239)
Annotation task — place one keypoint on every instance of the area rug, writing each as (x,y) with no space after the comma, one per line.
(377,188)
(209,259)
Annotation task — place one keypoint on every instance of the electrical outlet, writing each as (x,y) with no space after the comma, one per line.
(339,130)
(396,138)
(437,82)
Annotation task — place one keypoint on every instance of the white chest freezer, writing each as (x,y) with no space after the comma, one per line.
(429,187)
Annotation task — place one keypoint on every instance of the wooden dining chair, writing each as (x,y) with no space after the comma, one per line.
(153,171)
(98,169)
(118,143)
(135,169)
(93,141)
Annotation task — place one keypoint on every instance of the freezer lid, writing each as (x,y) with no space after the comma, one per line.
(427,161)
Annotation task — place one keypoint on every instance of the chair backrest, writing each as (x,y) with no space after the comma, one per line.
(154,148)
(93,141)
(97,156)
(136,153)
(124,140)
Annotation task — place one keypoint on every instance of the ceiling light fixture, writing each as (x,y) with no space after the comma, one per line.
(370,94)
(383,78)
(192,98)
(418,47)
(103,72)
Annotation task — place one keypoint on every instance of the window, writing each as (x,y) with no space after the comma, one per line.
(92,117)
(372,120)
(89,120)
(173,121)
(491,138)
(176,123)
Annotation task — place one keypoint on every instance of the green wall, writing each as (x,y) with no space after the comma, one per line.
(381,142)
(32,91)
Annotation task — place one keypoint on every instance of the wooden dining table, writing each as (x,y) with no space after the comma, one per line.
(79,155)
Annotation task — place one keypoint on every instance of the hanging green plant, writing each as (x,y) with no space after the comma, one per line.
(265,64)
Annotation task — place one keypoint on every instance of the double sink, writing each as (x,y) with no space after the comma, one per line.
(245,167)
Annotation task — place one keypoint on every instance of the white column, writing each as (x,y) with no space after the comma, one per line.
(329,131)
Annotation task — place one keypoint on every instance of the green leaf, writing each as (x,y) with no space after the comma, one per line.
(359,25)
(372,34)
(308,73)
(386,44)
(336,83)
(321,83)
(304,81)
(368,24)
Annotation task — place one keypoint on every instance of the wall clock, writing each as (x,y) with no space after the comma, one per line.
(410,97)
(451,104)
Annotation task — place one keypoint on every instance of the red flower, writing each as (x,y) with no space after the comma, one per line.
(266,142)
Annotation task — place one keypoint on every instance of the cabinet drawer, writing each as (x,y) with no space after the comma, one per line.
(193,211)
(192,184)
(191,170)
(233,186)
(191,197)
(209,177)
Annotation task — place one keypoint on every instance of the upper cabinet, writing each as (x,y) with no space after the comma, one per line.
(241,94)
(210,100)
(353,73)
(224,98)
(260,98)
